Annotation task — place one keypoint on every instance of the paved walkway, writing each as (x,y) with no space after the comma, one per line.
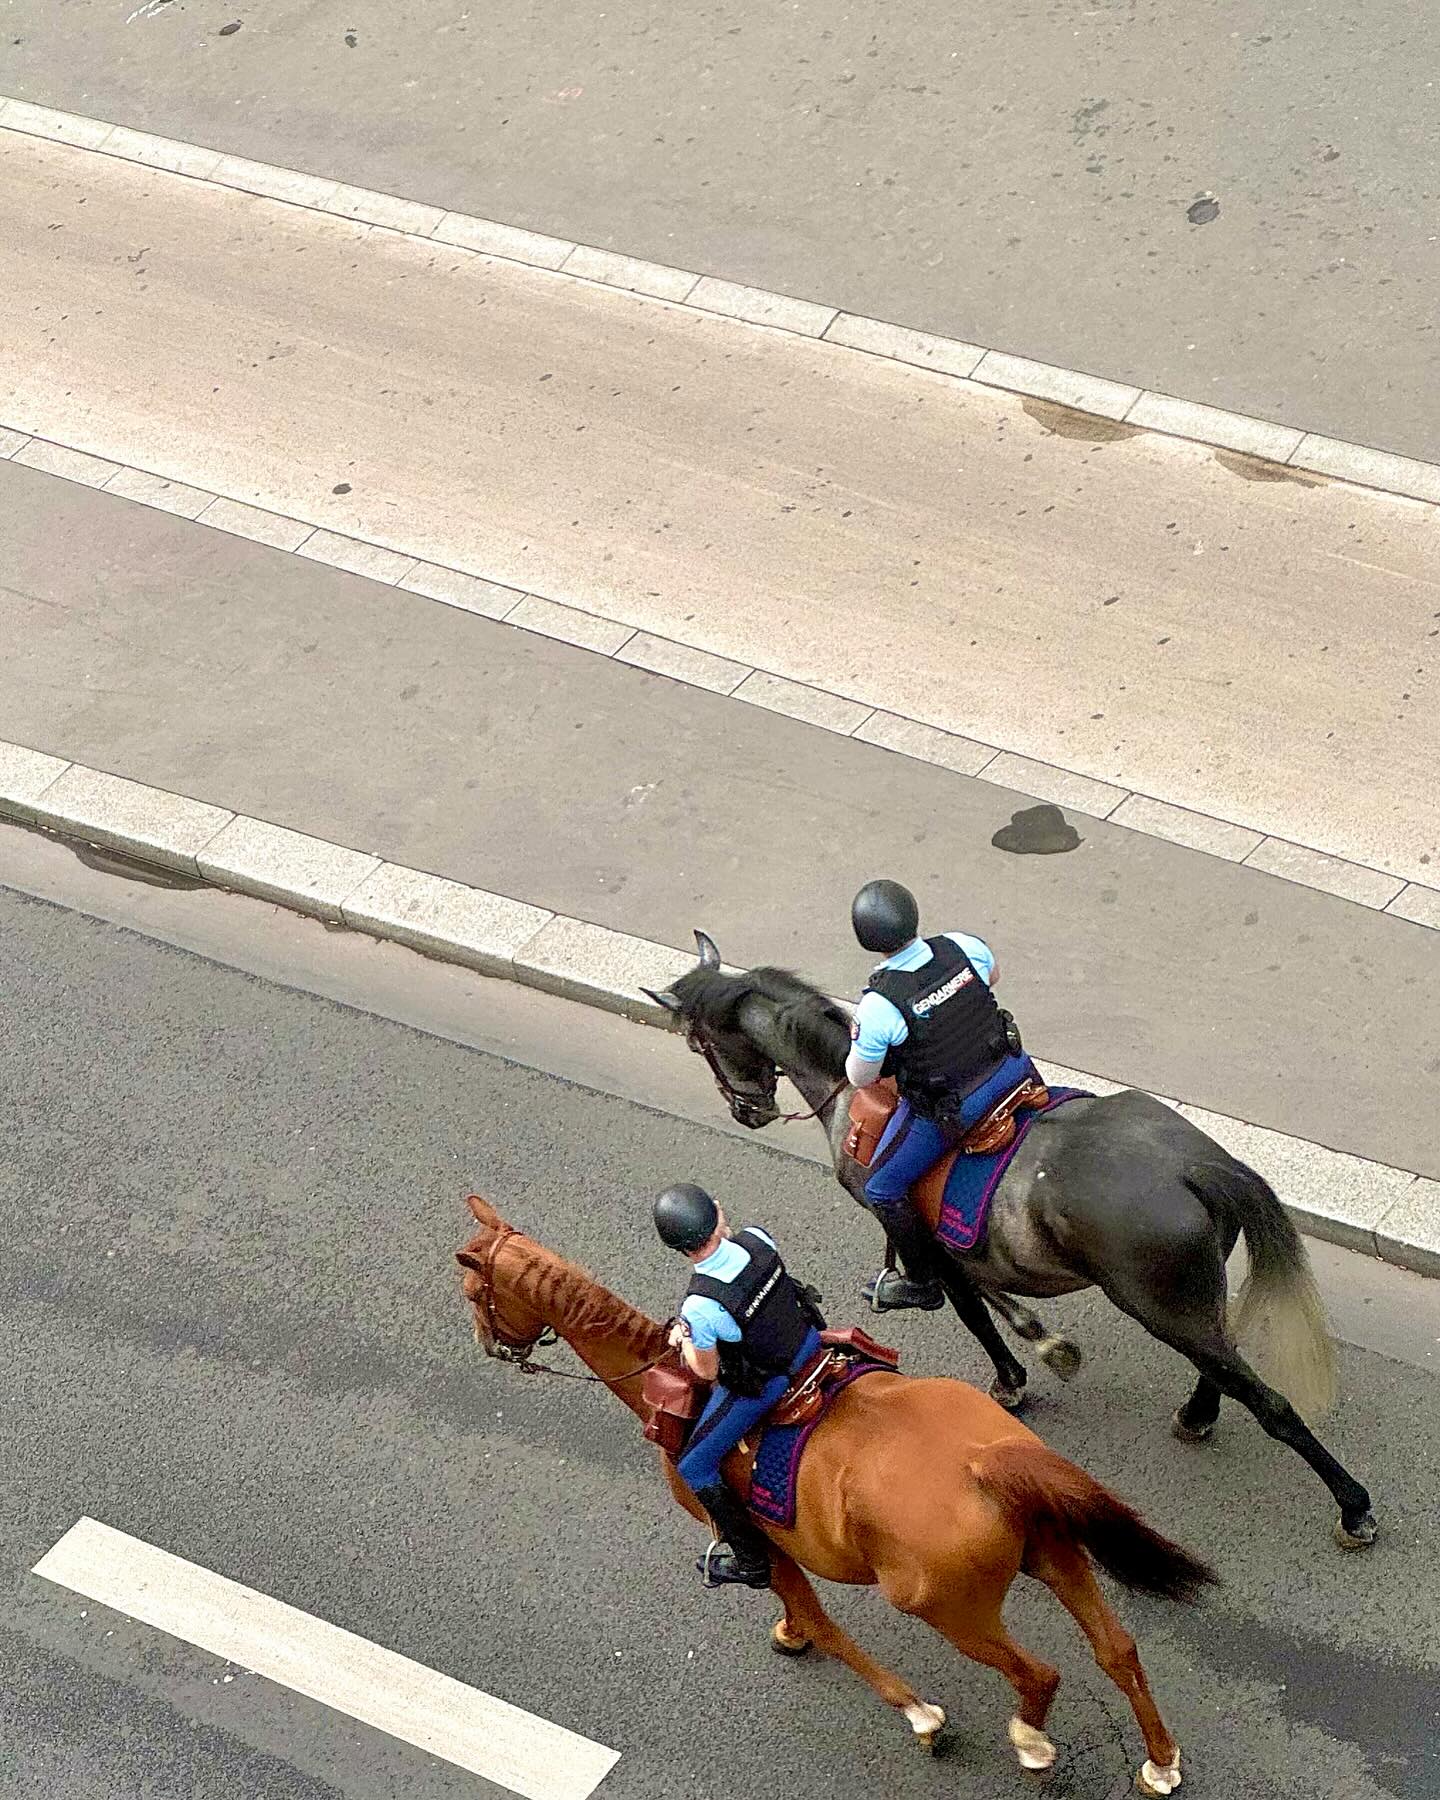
(1133,610)
(1016,176)
(330,703)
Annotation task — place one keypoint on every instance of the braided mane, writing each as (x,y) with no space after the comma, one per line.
(569,1297)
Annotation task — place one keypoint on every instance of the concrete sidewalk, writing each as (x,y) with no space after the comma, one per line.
(373,718)
(1114,603)
(1015,176)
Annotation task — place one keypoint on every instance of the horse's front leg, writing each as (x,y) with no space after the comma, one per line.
(806,1623)
(1059,1354)
(1010,1378)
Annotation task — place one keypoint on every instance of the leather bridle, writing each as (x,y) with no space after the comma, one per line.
(760,1102)
(520,1355)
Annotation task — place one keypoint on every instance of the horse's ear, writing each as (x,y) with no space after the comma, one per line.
(483,1210)
(709,955)
(471,1259)
(664,998)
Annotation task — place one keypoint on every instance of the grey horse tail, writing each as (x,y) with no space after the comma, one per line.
(1278,1317)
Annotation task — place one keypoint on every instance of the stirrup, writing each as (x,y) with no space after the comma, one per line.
(925,1296)
(756,1577)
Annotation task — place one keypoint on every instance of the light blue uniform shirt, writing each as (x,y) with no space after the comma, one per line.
(879,1023)
(708,1320)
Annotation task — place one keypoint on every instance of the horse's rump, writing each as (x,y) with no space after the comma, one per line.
(1039,1490)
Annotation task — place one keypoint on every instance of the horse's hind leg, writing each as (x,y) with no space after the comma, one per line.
(973,1625)
(1228,1371)
(1195,1420)
(1066,1571)
(806,1622)
(1194,1325)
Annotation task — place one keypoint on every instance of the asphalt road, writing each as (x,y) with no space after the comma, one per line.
(1021,177)
(230,1326)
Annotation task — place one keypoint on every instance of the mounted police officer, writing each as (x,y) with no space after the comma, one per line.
(928,1018)
(748,1327)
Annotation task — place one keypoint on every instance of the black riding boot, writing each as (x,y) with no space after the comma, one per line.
(919,1286)
(747,1560)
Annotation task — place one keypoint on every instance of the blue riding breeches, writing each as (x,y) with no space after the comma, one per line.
(911,1144)
(727,1417)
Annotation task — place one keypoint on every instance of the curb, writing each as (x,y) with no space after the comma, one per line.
(1390,1213)
(1287,446)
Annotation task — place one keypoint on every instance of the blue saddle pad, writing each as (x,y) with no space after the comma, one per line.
(777,1461)
(971,1183)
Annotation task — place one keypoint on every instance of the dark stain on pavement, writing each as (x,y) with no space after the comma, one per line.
(1389,1710)
(1069,422)
(1037,831)
(131,868)
(1255,468)
(1203,210)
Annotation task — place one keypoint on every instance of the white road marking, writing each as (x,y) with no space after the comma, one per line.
(477,1732)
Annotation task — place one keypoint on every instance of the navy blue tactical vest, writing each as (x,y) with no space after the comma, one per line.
(957,1038)
(763,1302)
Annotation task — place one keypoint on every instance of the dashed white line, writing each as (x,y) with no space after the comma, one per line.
(488,1737)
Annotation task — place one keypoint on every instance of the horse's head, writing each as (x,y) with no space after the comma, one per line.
(506,1325)
(751,1025)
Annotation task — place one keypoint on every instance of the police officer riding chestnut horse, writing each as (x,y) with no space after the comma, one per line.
(927,1488)
(1118,1192)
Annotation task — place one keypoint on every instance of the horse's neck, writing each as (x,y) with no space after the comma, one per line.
(815,1086)
(614,1340)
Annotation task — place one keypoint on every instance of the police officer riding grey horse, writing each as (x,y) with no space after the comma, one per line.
(929,1019)
(748,1327)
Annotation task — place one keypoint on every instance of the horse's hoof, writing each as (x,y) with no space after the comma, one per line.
(1033,1750)
(927,1722)
(1011,1398)
(1153,1778)
(1358,1536)
(783,1644)
(1061,1357)
(1191,1434)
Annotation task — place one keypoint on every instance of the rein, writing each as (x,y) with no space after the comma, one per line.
(519,1355)
(733,1096)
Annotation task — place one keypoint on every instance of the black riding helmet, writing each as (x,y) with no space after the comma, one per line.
(686,1216)
(885,916)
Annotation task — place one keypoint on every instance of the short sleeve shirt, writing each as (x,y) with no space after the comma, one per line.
(708,1320)
(879,1024)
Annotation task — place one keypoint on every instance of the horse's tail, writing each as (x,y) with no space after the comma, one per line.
(1278,1317)
(1039,1490)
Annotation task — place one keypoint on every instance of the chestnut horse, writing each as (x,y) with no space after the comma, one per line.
(926,1488)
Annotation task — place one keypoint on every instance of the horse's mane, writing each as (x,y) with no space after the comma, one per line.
(563,1289)
(808,1023)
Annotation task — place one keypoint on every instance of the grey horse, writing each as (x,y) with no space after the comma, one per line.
(1119,1193)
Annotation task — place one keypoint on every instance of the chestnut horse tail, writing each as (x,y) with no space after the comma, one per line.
(1038,1490)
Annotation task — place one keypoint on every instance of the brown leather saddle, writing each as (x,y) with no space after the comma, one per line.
(871,1109)
(676,1398)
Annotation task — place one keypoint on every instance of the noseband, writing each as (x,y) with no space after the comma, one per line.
(758,1100)
(484,1304)
(520,1355)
